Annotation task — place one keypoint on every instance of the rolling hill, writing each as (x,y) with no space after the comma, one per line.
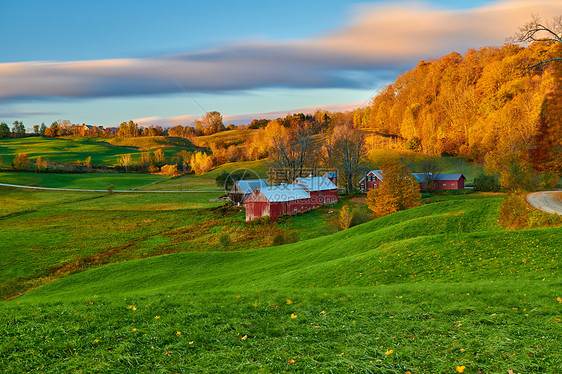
(437,288)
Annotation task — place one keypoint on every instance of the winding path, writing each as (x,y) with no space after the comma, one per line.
(114,191)
(548,201)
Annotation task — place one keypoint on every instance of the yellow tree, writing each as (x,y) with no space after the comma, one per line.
(398,191)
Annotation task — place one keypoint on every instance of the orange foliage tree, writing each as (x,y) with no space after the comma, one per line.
(398,191)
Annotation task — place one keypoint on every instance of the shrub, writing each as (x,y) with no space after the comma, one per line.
(153,169)
(489,183)
(169,169)
(110,189)
(345,217)
(278,239)
(21,161)
(516,213)
(224,240)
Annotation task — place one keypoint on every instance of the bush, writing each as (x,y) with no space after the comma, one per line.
(21,161)
(225,241)
(110,189)
(516,213)
(345,217)
(489,183)
(169,169)
(278,239)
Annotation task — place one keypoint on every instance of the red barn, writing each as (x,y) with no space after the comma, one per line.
(442,181)
(276,201)
(371,180)
(321,189)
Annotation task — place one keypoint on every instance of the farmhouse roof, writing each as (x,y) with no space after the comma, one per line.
(284,192)
(422,177)
(331,174)
(448,177)
(377,173)
(249,185)
(316,183)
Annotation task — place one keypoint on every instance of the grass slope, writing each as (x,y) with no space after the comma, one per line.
(89,181)
(426,290)
(104,151)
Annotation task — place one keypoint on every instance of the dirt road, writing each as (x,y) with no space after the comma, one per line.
(548,201)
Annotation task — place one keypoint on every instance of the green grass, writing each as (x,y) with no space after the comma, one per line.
(424,290)
(103,151)
(206,182)
(49,234)
(92,181)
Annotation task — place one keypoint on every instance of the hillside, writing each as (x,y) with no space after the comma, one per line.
(480,104)
(424,290)
(103,151)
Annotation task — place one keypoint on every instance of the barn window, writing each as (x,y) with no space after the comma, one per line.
(444,184)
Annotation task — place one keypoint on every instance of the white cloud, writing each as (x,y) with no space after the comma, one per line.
(387,36)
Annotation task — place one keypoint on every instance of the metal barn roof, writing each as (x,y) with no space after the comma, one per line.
(317,183)
(249,185)
(284,192)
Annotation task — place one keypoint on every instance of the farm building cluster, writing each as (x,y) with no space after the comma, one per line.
(260,199)
(302,195)
(440,182)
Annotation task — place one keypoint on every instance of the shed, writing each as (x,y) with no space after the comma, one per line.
(321,189)
(276,201)
(243,188)
(441,181)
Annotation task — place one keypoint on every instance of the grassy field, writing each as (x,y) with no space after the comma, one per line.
(92,181)
(438,288)
(104,151)
(49,234)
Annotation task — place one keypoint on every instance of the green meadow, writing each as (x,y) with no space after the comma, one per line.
(438,288)
(103,151)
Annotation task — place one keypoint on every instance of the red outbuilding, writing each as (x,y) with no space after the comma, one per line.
(277,201)
(441,181)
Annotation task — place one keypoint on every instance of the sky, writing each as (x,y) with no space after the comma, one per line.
(169,62)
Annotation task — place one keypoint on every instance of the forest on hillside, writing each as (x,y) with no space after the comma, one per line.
(484,105)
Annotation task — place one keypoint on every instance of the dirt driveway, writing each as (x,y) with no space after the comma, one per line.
(548,201)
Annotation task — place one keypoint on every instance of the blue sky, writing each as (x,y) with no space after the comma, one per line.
(166,62)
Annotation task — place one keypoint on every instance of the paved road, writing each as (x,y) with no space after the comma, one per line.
(115,191)
(549,201)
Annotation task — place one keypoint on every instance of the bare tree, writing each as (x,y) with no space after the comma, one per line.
(293,155)
(538,31)
(430,169)
(345,151)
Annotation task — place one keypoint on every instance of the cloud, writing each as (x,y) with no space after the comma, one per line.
(25,113)
(388,37)
(246,118)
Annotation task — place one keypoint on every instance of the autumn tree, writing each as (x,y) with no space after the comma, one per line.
(159,158)
(397,191)
(125,160)
(344,150)
(4,130)
(430,169)
(212,123)
(538,31)
(18,129)
(201,162)
(20,162)
(293,154)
